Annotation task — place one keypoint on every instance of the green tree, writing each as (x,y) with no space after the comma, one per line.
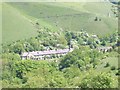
(80,41)
(18,48)
(62,40)
(34,43)
(103,43)
(80,57)
(71,72)
(101,80)
(90,41)
(68,37)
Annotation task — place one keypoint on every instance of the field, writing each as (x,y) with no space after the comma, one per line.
(15,25)
(19,19)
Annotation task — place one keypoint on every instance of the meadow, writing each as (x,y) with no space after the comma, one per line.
(19,20)
(15,26)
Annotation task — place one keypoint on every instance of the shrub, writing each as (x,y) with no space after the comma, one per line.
(113,68)
(107,64)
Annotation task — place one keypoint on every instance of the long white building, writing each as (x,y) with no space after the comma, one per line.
(43,55)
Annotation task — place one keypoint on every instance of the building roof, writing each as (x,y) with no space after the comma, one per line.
(49,52)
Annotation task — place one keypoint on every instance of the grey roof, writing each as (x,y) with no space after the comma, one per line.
(49,52)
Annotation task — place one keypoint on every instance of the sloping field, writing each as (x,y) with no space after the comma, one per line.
(14,25)
(73,16)
(18,18)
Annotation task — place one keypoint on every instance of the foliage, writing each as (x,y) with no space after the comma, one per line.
(101,80)
(113,67)
(107,64)
(40,74)
(71,72)
(80,58)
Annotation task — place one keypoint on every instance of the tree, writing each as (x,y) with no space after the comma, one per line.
(107,64)
(71,72)
(68,37)
(58,80)
(103,43)
(90,41)
(18,48)
(73,35)
(100,80)
(34,43)
(80,41)
(91,46)
(80,58)
(96,19)
(62,40)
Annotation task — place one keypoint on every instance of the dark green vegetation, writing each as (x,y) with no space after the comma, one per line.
(47,39)
(77,69)
(47,26)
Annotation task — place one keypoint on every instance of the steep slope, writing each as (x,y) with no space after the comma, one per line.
(73,16)
(19,19)
(15,25)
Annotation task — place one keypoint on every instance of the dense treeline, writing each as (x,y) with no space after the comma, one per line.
(48,40)
(82,58)
(76,69)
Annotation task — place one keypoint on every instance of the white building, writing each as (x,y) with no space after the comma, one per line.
(42,55)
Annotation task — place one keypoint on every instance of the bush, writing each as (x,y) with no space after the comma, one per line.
(107,64)
(100,80)
(113,68)
(117,74)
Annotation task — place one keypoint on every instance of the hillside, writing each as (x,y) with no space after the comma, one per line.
(74,16)
(56,16)
(15,25)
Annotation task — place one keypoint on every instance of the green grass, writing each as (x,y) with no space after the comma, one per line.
(99,8)
(85,20)
(17,18)
(15,25)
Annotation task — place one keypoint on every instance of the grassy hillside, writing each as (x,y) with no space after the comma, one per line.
(19,18)
(73,16)
(15,25)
